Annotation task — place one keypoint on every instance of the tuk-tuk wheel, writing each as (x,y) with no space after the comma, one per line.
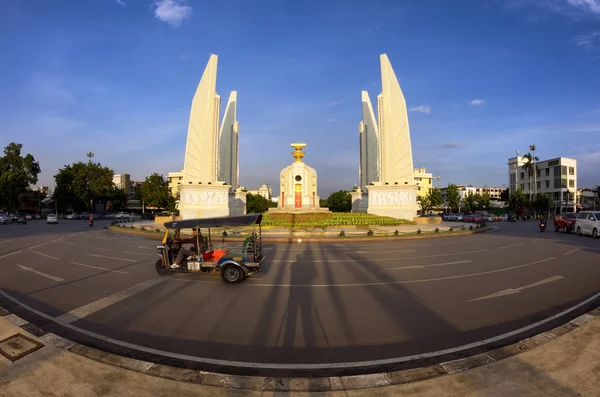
(232,274)
(160,269)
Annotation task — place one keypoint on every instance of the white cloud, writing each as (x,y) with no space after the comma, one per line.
(335,103)
(586,6)
(121,2)
(476,102)
(421,109)
(589,42)
(172,12)
(331,120)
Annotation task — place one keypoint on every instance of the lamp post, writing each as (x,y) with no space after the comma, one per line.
(533,148)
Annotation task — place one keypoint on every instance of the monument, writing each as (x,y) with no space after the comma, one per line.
(209,185)
(387,185)
(298,186)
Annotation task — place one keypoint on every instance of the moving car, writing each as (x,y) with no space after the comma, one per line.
(566,223)
(588,222)
(71,216)
(123,215)
(28,217)
(235,263)
(52,219)
(504,217)
(489,218)
(5,219)
(21,220)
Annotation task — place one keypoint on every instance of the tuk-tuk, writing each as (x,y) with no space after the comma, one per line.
(234,262)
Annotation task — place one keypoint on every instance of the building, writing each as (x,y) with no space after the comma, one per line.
(122,181)
(495,193)
(44,190)
(264,190)
(175,179)
(134,189)
(556,177)
(587,199)
(424,181)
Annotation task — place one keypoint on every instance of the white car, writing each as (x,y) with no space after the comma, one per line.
(588,222)
(504,217)
(71,216)
(489,218)
(123,215)
(4,219)
(52,219)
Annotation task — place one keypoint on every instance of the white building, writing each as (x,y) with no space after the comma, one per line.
(587,199)
(495,193)
(122,181)
(264,191)
(175,179)
(556,177)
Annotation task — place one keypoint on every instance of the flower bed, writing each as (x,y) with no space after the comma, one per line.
(330,220)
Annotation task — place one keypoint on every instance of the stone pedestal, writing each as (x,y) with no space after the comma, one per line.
(393,200)
(237,202)
(360,201)
(204,201)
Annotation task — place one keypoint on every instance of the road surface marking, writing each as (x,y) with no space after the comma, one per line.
(512,245)
(7,241)
(378,259)
(54,278)
(330,365)
(12,253)
(66,242)
(424,266)
(378,251)
(99,268)
(39,245)
(570,252)
(138,253)
(96,248)
(47,256)
(536,240)
(511,291)
(111,257)
(58,239)
(100,304)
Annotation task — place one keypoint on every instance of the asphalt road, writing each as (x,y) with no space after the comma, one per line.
(332,308)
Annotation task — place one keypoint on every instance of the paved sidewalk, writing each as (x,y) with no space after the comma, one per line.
(568,365)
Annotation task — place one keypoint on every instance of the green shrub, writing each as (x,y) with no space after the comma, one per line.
(328,219)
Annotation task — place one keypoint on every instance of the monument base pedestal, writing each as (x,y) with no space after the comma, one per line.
(393,200)
(300,210)
(204,201)
(360,201)
(237,202)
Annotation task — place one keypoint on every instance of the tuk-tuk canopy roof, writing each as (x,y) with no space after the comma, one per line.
(238,220)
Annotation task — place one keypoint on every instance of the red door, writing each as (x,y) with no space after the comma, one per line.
(298,196)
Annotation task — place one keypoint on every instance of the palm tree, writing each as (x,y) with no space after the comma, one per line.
(528,160)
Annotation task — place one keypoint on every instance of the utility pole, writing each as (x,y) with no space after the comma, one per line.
(89,155)
(533,148)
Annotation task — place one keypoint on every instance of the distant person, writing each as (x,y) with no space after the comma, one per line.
(91,220)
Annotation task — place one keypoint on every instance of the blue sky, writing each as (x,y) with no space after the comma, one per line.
(483,78)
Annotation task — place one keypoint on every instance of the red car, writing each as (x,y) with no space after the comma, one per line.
(566,223)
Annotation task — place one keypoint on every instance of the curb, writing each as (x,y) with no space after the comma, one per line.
(346,239)
(323,384)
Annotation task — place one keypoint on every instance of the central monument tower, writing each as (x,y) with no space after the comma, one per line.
(387,185)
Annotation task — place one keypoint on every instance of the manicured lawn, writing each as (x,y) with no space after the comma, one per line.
(330,220)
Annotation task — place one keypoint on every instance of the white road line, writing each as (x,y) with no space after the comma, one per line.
(39,245)
(138,253)
(512,245)
(511,291)
(54,278)
(111,257)
(331,365)
(424,266)
(536,240)
(99,268)
(100,304)
(66,242)
(96,248)
(378,259)
(47,256)
(570,252)
(7,241)
(58,239)
(12,253)
(376,251)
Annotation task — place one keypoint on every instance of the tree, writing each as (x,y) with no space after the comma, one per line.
(17,173)
(504,195)
(79,184)
(485,201)
(340,201)
(155,191)
(477,201)
(257,204)
(528,165)
(543,203)
(453,197)
(323,203)
(517,201)
(435,198)
(425,203)
(469,201)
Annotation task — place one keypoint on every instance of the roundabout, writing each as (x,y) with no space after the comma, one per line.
(317,309)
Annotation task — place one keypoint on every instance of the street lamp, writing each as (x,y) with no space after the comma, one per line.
(533,148)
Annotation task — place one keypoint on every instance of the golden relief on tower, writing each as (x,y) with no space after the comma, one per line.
(298,154)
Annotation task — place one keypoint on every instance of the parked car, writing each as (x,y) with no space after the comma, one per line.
(14,216)
(110,216)
(71,216)
(52,218)
(21,220)
(489,218)
(5,219)
(37,216)
(28,217)
(566,223)
(123,215)
(504,217)
(588,222)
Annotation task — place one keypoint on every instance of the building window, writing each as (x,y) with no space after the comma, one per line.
(571,170)
(538,185)
(547,171)
(571,183)
(547,184)
(537,172)
(522,186)
(522,175)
